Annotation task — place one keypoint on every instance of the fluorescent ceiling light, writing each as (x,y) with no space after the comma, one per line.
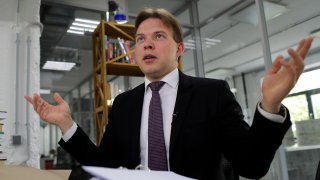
(249,14)
(212,40)
(87,21)
(58,66)
(45,91)
(190,47)
(208,42)
(80,26)
(76,32)
(189,44)
(84,25)
(81,29)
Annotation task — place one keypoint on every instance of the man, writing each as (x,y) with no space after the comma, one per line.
(201,119)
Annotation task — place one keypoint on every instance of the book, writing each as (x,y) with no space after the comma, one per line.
(124,50)
(128,46)
(1,137)
(1,127)
(113,48)
(3,115)
(3,155)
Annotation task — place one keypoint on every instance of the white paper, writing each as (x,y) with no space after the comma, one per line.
(126,174)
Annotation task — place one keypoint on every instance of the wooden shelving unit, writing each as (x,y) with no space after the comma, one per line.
(104,67)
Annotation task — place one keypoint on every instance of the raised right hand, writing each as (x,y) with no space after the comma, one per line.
(54,114)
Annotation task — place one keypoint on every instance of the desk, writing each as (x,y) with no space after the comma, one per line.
(64,174)
(23,172)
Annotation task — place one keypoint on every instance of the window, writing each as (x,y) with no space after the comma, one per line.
(298,106)
(315,99)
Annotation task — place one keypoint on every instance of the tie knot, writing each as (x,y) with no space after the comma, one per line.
(156,86)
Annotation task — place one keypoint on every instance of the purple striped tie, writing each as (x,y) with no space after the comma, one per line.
(157,156)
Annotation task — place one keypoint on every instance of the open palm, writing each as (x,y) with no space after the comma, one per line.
(54,114)
(283,76)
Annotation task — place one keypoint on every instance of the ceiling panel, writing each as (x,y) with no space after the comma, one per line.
(210,7)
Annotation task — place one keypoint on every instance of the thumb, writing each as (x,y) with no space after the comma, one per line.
(58,98)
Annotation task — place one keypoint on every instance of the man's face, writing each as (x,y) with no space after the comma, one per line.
(156,51)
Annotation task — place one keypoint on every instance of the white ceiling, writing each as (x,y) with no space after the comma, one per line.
(240,48)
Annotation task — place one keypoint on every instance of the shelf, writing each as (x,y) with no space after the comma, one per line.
(124,31)
(102,67)
(114,30)
(123,69)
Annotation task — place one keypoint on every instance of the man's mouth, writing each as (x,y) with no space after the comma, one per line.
(149,57)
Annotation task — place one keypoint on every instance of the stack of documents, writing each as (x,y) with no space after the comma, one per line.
(126,174)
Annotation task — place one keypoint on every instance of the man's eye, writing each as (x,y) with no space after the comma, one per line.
(139,39)
(160,36)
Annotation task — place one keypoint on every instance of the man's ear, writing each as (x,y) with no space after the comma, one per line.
(180,49)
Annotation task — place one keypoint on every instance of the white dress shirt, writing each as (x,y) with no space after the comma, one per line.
(168,95)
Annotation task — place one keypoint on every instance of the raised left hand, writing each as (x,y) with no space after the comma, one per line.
(282,76)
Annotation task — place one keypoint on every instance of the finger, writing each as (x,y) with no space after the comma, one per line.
(40,103)
(297,60)
(276,65)
(288,67)
(44,111)
(29,99)
(39,107)
(35,101)
(306,47)
(58,98)
(301,45)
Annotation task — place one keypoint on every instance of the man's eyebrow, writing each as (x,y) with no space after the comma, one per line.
(137,35)
(160,32)
(156,32)
(140,34)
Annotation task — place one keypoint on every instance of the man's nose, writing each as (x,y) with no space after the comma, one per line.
(148,45)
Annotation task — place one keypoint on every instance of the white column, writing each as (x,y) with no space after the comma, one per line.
(20,57)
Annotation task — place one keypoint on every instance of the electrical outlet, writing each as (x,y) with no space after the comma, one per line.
(16,139)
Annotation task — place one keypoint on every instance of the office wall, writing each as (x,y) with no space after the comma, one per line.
(19,34)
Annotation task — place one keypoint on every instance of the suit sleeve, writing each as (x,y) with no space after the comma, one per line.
(86,152)
(249,149)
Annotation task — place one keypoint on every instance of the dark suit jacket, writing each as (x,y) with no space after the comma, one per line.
(208,124)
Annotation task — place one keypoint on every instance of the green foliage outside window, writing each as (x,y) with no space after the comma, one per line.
(298,107)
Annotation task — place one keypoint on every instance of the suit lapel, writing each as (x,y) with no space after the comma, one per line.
(136,110)
(182,102)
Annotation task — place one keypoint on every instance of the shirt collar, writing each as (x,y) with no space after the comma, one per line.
(171,79)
